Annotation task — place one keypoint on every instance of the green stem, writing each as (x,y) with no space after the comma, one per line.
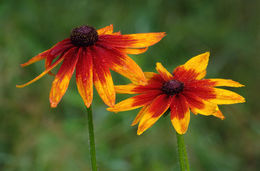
(91,139)
(183,158)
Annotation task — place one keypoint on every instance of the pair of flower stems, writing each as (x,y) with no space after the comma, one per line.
(93,53)
(183,158)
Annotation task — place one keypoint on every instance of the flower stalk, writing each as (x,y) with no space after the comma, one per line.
(183,158)
(91,139)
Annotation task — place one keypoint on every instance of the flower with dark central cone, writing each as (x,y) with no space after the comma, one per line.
(172,87)
(93,53)
(84,36)
(180,92)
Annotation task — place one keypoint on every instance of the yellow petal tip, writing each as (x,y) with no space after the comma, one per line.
(19,86)
(139,132)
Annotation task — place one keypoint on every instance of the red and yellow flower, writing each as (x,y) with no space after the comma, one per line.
(93,53)
(182,91)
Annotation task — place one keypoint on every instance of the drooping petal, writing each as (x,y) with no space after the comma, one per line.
(226,82)
(139,40)
(56,51)
(62,78)
(196,66)
(140,115)
(43,73)
(122,64)
(102,77)
(134,102)
(84,76)
(163,72)
(155,110)
(44,54)
(105,30)
(37,58)
(226,97)
(180,114)
(133,51)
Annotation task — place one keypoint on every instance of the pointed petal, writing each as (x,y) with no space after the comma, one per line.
(163,72)
(155,110)
(199,63)
(226,97)
(84,76)
(219,114)
(105,30)
(208,108)
(102,77)
(195,67)
(198,105)
(60,49)
(129,69)
(149,75)
(140,115)
(43,54)
(180,114)
(37,58)
(134,102)
(122,64)
(226,82)
(104,85)
(62,78)
(43,73)
(139,40)
(126,89)
(134,51)
(203,92)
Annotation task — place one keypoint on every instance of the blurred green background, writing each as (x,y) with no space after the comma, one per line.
(35,137)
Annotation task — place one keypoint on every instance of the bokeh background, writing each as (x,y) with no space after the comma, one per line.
(35,137)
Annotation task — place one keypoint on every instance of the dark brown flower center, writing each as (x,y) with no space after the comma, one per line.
(172,87)
(84,36)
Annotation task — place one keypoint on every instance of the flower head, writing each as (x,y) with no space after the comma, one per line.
(182,91)
(93,53)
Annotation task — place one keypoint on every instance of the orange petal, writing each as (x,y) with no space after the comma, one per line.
(43,73)
(105,30)
(103,82)
(139,40)
(126,89)
(37,58)
(149,75)
(129,69)
(122,64)
(198,105)
(219,114)
(104,85)
(62,78)
(84,76)
(226,82)
(180,114)
(140,115)
(208,109)
(155,110)
(134,51)
(134,102)
(226,97)
(163,72)
(197,64)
